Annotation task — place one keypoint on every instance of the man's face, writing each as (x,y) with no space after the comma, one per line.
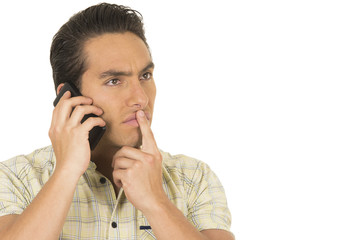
(119,79)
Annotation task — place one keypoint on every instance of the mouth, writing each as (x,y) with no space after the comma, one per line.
(131,120)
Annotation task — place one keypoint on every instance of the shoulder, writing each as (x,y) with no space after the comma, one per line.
(181,162)
(39,160)
(189,168)
(22,177)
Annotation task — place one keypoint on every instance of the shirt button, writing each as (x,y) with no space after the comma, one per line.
(114,224)
(103,180)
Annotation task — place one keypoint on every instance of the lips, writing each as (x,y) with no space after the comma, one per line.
(132,119)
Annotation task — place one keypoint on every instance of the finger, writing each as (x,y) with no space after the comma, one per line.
(117,176)
(123,163)
(66,104)
(91,122)
(129,152)
(148,140)
(56,111)
(80,111)
(66,95)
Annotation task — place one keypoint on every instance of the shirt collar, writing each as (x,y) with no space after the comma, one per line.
(92,166)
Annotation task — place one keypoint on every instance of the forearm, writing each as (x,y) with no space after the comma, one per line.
(44,217)
(168,222)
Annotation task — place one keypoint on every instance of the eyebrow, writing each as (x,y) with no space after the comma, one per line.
(115,73)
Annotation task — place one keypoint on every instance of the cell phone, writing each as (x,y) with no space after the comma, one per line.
(96,133)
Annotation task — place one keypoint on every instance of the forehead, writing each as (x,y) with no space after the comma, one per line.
(124,51)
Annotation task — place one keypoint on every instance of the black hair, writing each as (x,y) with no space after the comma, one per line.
(66,54)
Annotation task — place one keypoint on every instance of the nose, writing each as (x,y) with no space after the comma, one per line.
(137,96)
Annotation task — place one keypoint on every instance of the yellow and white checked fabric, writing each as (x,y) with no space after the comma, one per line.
(97,213)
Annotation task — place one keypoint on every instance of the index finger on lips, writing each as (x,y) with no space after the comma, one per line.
(148,140)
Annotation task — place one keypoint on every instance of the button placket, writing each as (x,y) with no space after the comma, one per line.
(114,216)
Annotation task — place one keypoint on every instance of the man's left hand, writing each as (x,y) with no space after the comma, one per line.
(139,171)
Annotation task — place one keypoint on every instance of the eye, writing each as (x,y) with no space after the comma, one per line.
(146,76)
(113,82)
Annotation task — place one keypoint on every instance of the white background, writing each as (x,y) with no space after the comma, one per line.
(268,93)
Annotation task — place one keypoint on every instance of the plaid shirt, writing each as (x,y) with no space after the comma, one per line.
(97,213)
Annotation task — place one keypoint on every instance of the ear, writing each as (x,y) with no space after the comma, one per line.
(59,87)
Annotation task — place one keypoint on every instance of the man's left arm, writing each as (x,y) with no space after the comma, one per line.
(139,173)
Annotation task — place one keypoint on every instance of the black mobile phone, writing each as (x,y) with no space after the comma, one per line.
(97,132)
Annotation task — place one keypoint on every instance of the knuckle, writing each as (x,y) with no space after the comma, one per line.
(91,121)
(115,175)
(67,129)
(125,184)
(137,164)
(79,109)
(124,150)
(150,159)
(95,120)
(64,103)
(159,156)
(116,158)
(57,130)
(50,133)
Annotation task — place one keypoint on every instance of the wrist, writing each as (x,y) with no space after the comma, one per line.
(66,176)
(158,207)
(70,167)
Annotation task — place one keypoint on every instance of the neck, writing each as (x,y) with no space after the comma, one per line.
(103,156)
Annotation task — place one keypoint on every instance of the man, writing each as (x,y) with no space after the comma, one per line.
(126,188)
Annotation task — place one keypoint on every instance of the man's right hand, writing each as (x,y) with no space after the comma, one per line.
(44,217)
(69,136)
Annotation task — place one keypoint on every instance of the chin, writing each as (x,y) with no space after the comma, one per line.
(132,139)
(135,143)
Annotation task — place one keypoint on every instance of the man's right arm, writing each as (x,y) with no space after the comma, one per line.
(45,216)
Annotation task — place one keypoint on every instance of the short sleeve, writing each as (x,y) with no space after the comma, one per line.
(13,196)
(207,204)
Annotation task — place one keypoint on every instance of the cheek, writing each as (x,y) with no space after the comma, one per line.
(110,108)
(111,112)
(151,93)
(103,104)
